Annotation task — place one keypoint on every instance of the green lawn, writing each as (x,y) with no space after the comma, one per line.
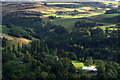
(77,64)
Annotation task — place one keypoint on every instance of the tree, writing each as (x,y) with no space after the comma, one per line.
(43,75)
(60,30)
(46,49)
(19,47)
(38,45)
(72,56)
(111,11)
(100,68)
(89,61)
(51,75)
(27,58)
(37,72)
(14,48)
(34,46)
(45,4)
(4,42)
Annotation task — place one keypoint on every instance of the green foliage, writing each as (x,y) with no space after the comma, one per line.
(84,24)
(111,11)
(18,32)
(88,61)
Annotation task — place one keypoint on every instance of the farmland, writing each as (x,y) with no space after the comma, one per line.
(68,23)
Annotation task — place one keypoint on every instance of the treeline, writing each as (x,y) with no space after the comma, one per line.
(73,13)
(111,11)
(18,32)
(29,22)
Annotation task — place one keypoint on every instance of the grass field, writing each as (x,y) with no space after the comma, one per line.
(77,64)
(68,23)
(16,40)
(107,15)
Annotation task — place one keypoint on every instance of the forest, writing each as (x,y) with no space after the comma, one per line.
(86,44)
(53,48)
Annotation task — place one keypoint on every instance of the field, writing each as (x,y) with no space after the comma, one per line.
(12,40)
(68,23)
(78,64)
(107,15)
(16,40)
(70,16)
(60,3)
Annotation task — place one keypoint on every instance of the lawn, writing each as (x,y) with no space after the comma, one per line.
(77,64)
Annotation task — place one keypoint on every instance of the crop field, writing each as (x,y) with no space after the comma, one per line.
(78,64)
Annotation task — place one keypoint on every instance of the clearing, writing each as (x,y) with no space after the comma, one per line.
(77,64)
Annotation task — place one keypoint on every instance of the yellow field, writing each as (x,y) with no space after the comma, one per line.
(16,40)
(113,2)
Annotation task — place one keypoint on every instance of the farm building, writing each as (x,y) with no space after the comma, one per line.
(90,68)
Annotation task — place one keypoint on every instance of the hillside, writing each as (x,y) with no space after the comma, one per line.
(46,40)
(39,9)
